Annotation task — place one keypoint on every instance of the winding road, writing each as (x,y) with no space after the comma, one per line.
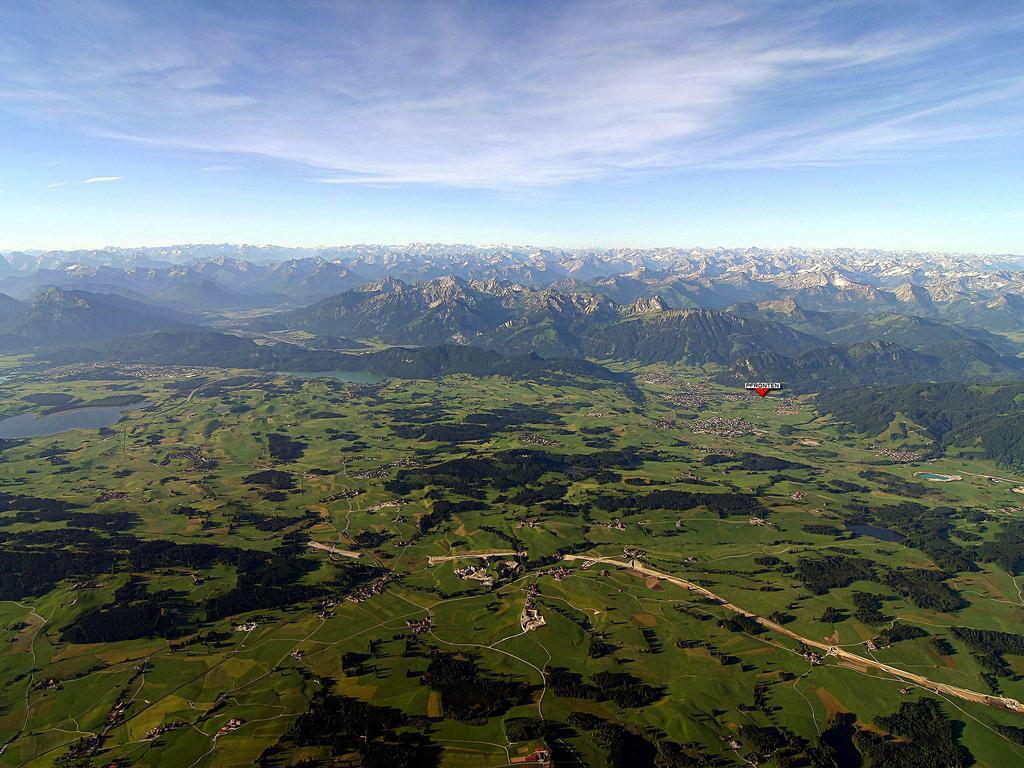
(1000,702)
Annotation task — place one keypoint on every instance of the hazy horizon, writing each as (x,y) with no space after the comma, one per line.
(523,245)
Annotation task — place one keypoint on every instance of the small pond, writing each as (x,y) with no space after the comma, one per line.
(873,531)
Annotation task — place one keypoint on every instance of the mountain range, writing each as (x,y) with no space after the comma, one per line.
(987,292)
(813,318)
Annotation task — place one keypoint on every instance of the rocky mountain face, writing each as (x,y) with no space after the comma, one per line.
(519,319)
(775,336)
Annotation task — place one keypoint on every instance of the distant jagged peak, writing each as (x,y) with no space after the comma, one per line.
(495,287)
(1006,301)
(578,303)
(912,293)
(385,285)
(54,296)
(839,280)
(445,282)
(445,288)
(823,277)
(647,305)
(787,306)
(50,293)
(945,294)
(570,285)
(228,262)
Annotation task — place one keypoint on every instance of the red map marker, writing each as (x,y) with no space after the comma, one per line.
(762,387)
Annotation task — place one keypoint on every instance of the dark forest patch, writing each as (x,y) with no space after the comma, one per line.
(283,448)
(272,478)
(469,695)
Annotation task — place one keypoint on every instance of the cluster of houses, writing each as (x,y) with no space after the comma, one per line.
(541,756)
(504,569)
(532,438)
(160,730)
(366,591)
(811,656)
(326,610)
(231,725)
(372,474)
(903,457)
(561,573)
(476,573)
(789,406)
(84,747)
(720,426)
(120,370)
(345,493)
(420,626)
(116,713)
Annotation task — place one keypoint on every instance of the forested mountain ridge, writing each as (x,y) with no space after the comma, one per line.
(57,317)
(989,418)
(210,348)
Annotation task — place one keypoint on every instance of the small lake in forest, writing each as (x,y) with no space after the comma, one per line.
(882,534)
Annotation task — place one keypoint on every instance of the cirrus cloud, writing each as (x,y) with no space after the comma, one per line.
(488,95)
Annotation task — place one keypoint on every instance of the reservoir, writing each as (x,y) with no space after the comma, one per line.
(937,478)
(354,377)
(30,425)
(874,532)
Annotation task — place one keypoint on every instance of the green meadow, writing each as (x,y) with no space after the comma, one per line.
(162,605)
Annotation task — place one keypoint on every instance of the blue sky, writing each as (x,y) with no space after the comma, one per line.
(855,123)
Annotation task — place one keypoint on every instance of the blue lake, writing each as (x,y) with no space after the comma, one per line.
(30,425)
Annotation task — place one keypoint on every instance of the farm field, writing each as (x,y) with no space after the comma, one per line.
(504,570)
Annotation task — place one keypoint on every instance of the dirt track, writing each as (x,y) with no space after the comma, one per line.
(434,559)
(334,550)
(1000,702)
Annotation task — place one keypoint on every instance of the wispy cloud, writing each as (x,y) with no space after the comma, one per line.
(90,180)
(523,95)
